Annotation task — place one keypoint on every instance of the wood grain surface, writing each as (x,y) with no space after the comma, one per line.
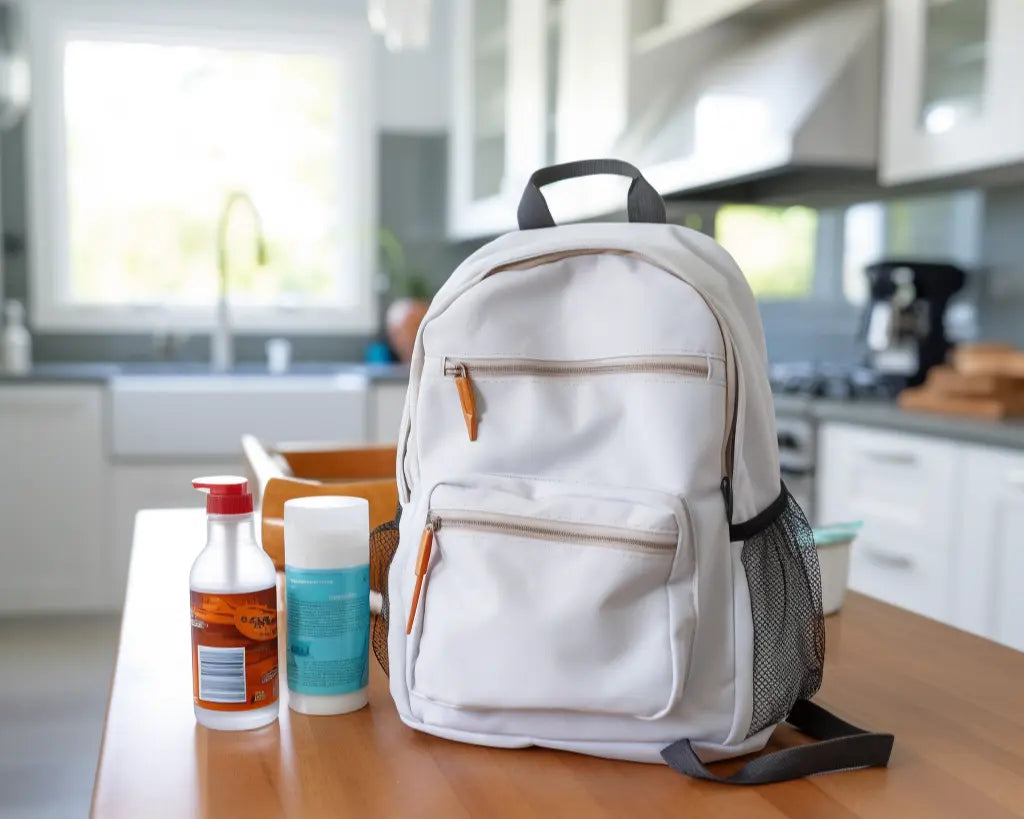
(954,701)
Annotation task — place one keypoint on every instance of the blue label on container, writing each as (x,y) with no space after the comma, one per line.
(328,617)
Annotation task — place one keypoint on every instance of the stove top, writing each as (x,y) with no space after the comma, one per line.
(836,381)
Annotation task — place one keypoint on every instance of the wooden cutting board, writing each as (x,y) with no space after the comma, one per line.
(946,379)
(989,359)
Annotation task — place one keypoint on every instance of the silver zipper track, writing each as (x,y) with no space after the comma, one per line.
(581,534)
(689,366)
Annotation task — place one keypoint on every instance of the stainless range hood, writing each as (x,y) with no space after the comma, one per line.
(787,91)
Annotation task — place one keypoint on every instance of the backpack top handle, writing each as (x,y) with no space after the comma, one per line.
(643,202)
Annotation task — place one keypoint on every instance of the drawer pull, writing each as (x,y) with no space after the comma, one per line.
(903,458)
(886,559)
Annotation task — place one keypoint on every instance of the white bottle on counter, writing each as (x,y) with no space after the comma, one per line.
(327,582)
(233,584)
(17,343)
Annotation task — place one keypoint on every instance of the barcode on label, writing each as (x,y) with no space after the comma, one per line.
(221,674)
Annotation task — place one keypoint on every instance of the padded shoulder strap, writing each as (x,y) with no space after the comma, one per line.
(841,746)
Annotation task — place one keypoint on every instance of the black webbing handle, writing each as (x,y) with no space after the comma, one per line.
(643,202)
(842,747)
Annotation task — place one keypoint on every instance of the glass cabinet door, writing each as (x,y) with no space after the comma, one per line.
(490,44)
(956,55)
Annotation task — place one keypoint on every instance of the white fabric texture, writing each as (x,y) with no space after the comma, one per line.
(581,591)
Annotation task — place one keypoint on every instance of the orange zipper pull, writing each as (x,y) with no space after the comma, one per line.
(467,399)
(422,559)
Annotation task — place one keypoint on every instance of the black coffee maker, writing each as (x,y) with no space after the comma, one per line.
(903,321)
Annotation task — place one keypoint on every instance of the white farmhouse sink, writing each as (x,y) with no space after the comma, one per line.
(204,416)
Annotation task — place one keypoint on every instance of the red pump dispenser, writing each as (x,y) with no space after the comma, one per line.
(225,494)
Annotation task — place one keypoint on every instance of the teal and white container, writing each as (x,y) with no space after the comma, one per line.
(327,584)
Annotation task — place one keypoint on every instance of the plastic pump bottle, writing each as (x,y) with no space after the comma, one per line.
(233,587)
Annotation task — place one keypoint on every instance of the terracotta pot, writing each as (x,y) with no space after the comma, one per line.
(402,320)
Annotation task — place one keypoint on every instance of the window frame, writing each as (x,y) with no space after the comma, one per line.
(210,23)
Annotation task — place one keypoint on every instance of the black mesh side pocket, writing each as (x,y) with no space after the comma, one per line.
(781,564)
(383,544)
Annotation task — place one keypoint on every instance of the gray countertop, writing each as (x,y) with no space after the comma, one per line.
(101,372)
(886,415)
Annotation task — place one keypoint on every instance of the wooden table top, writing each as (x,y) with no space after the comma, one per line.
(955,703)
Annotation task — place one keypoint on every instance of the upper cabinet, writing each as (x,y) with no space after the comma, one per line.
(698,95)
(536,82)
(500,113)
(735,90)
(952,102)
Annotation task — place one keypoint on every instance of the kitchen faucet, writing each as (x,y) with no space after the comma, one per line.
(222,348)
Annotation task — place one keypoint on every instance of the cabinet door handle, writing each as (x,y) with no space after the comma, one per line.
(1015,477)
(889,560)
(904,458)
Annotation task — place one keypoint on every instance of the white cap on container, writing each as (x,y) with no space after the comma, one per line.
(326,532)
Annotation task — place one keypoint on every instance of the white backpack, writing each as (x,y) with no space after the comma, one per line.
(596,551)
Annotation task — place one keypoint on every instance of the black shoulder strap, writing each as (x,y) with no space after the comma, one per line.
(841,747)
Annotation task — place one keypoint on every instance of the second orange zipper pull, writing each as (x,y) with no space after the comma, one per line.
(422,559)
(467,399)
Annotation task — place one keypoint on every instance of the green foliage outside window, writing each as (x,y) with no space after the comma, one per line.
(774,247)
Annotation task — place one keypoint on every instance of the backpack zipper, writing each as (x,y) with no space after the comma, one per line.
(580,534)
(422,559)
(463,370)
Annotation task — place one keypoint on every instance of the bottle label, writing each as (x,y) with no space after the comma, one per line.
(234,650)
(328,629)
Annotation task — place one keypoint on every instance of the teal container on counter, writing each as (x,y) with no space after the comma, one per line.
(327,590)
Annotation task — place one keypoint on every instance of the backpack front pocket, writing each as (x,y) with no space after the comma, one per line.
(532,598)
(463,371)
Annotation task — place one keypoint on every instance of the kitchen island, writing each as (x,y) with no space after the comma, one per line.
(954,701)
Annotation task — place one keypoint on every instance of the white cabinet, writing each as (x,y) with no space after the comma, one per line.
(591,85)
(77,462)
(535,82)
(387,402)
(497,139)
(54,516)
(135,486)
(952,99)
(989,591)
(905,489)
(943,524)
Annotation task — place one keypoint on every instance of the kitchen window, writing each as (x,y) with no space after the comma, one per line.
(773,246)
(143,129)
